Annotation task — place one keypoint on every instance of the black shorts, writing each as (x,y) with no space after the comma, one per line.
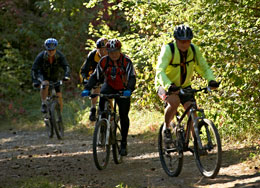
(57,88)
(186,98)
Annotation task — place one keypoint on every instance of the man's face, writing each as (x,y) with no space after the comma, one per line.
(183,45)
(115,55)
(102,51)
(51,53)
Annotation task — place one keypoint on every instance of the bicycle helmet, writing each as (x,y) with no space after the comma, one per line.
(101,42)
(183,32)
(50,44)
(113,45)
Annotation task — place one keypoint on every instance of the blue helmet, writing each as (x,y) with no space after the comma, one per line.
(50,44)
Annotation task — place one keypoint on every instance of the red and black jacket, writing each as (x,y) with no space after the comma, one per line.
(119,77)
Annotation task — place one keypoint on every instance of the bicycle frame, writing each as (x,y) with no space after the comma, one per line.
(107,110)
(193,120)
(206,139)
(51,93)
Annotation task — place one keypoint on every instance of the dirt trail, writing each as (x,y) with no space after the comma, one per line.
(29,154)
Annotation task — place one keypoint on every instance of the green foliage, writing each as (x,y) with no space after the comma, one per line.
(226,31)
(14,71)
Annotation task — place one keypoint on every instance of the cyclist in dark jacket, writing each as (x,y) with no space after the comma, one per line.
(118,74)
(89,67)
(47,67)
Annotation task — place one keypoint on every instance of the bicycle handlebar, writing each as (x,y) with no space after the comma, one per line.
(192,91)
(117,95)
(52,84)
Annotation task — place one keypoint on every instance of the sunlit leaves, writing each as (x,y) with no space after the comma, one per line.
(91,3)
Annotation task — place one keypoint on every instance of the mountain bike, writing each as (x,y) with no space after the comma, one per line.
(53,117)
(206,141)
(107,133)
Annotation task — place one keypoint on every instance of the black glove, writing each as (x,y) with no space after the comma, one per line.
(213,83)
(173,88)
(85,81)
(36,84)
(66,78)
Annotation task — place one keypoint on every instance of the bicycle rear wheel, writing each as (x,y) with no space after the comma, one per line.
(116,144)
(208,159)
(171,159)
(101,150)
(57,120)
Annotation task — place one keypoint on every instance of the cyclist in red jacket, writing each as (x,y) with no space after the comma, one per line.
(118,74)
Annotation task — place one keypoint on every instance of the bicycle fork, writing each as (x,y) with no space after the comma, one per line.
(107,131)
(195,125)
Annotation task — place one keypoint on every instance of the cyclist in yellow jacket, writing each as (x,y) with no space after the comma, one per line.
(89,67)
(175,71)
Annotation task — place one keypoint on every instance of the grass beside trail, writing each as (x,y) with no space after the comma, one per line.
(24,114)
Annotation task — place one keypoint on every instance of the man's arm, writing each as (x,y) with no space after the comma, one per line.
(36,67)
(202,66)
(163,62)
(131,76)
(85,69)
(65,65)
(97,76)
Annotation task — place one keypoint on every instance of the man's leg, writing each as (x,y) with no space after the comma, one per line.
(173,101)
(44,94)
(59,94)
(124,107)
(92,116)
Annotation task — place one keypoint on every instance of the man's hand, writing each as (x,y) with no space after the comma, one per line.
(36,84)
(213,84)
(85,93)
(173,88)
(66,78)
(127,93)
(85,81)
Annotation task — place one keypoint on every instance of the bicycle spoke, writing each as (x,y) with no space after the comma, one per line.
(56,119)
(116,144)
(171,159)
(208,158)
(101,151)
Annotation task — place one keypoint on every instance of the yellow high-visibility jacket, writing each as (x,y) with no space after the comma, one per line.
(167,74)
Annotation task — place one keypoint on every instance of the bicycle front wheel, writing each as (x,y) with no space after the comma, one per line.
(171,158)
(208,158)
(56,119)
(101,150)
(48,126)
(116,143)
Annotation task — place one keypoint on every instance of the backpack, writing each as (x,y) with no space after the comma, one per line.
(173,49)
(122,64)
(123,77)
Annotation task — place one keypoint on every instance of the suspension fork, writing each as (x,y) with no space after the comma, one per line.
(195,121)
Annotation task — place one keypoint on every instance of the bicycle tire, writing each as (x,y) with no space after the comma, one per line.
(116,144)
(212,152)
(172,167)
(56,119)
(49,127)
(101,151)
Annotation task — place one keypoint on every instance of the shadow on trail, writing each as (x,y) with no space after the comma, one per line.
(30,155)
